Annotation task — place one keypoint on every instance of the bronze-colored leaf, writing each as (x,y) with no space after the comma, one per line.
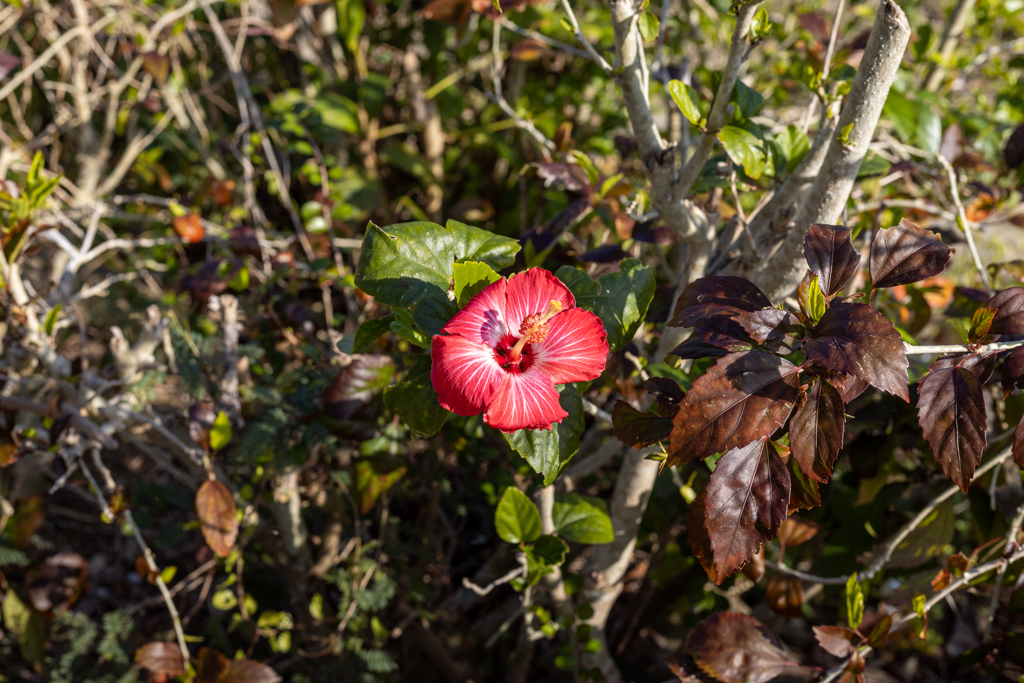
(735,648)
(816,430)
(803,491)
(795,531)
(941,580)
(1013,371)
(773,328)
(1009,317)
(1018,444)
(743,397)
(244,241)
(951,412)
(747,499)
(838,641)
(157,65)
(785,595)
(683,666)
(696,348)
(211,666)
(848,386)
(163,660)
(981,323)
(857,340)
(249,671)
(717,295)
(697,536)
(831,256)
(636,429)
(906,253)
(1013,153)
(754,569)
(217,516)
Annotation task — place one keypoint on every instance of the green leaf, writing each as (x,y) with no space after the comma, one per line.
(351,18)
(815,300)
(584,161)
(369,332)
(619,299)
(548,550)
(929,128)
(404,264)
(582,519)
(981,323)
(744,149)
(337,111)
(759,25)
(220,433)
(854,602)
(748,100)
(32,177)
(517,519)
(649,26)
(414,399)
(687,99)
(609,184)
(844,135)
(432,314)
(471,278)
(404,325)
(794,144)
(23,621)
(549,450)
(51,318)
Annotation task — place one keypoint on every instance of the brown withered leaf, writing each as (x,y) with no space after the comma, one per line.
(951,412)
(743,397)
(1009,317)
(717,295)
(213,667)
(795,531)
(683,666)
(697,536)
(838,641)
(217,516)
(163,660)
(735,648)
(803,491)
(906,253)
(747,499)
(571,176)
(773,329)
(816,429)
(785,595)
(158,66)
(857,340)
(941,580)
(958,563)
(56,584)
(831,256)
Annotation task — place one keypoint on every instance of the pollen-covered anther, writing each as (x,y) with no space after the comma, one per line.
(534,329)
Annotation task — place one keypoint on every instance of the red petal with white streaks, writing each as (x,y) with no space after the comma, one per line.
(526,400)
(483,318)
(575,349)
(530,293)
(465,374)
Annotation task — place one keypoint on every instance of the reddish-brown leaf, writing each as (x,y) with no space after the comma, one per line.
(217,516)
(906,253)
(249,671)
(880,631)
(157,65)
(697,536)
(831,256)
(747,499)
(816,430)
(773,328)
(163,660)
(1018,444)
(951,412)
(1013,153)
(735,648)
(785,595)
(1013,371)
(189,227)
(1009,317)
(857,340)
(981,323)
(667,394)
(754,569)
(838,641)
(803,491)
(742,398)
(636,429)
(795,531)
(848,386)
(695,348)
(941,580)
(683,666)
(723,332)
(717,295)
(243,240)
(211,666)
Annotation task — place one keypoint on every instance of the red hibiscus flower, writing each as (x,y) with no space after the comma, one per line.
(506,350)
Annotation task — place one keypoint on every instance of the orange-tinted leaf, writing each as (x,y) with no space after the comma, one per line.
(951,412)
(831,256)
(906,253)
(189,227)
(743,397)
(163,660)
(222,191)
(937,291)
(857,340)
(785,595)
(211,666)
(735,648)
(718,295)
(1009,317)
(981,323)
(143,570)
(217,515)
(529,50)
(816,430)
(941,580)
(746,501)
(683,666)
(838,641)
(795,531)
(957,563)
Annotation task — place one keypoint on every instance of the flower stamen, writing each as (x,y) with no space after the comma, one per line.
(534,329)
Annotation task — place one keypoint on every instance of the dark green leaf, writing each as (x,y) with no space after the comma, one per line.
(432,314)
(414,398)
(619,299)
(369,332)
(748,99)
(744,149)
(549,450)
(582,519)
(548,550)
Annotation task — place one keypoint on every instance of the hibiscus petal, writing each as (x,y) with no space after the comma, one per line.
(465,374)
(526,400)
(575,349)
(530,293)
(483,318)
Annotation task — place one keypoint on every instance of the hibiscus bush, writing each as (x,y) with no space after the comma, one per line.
(524,340)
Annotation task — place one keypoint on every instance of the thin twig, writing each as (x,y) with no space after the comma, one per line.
(484,590)
(1011,538)
(965,225)
(583,40)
